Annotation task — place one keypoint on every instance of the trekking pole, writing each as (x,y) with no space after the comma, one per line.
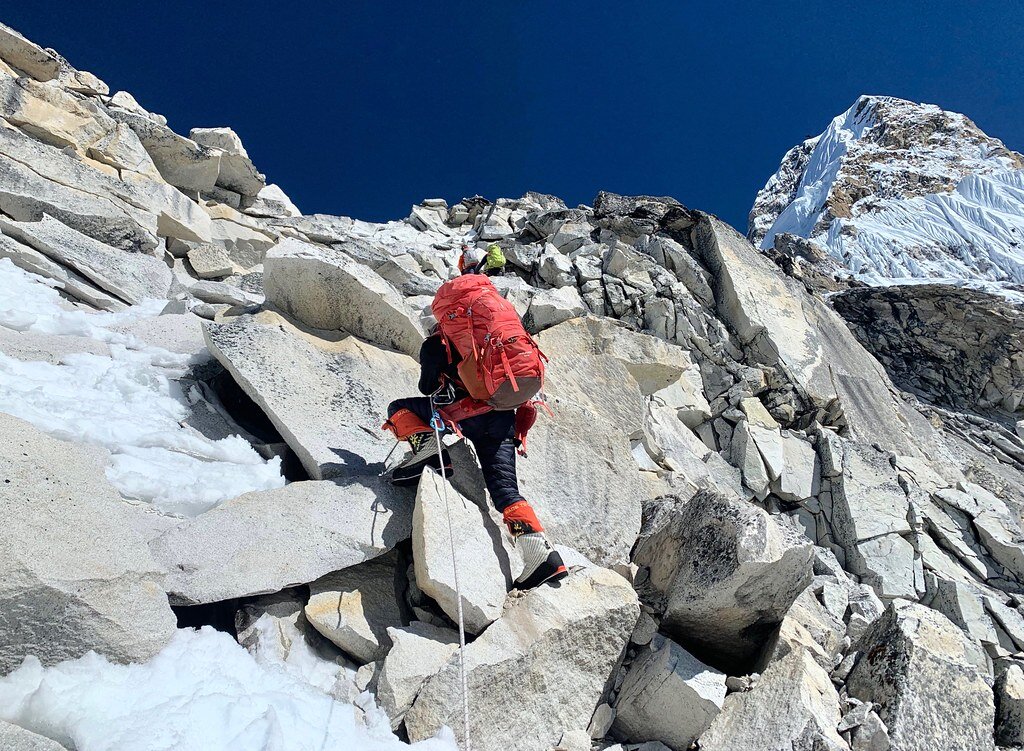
(437,423)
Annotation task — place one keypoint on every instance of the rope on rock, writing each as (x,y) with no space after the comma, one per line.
(438,425)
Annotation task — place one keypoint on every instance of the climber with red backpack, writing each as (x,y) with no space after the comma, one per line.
(481,370)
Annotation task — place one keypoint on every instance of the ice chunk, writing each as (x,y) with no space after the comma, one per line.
(203,691)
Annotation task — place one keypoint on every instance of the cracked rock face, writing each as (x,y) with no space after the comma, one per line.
(769,466)
(562,642)
(960,348)
(924,674)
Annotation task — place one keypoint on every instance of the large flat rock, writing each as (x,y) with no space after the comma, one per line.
(131,277)
(783,325)
(76,577)
(477,543)
(580,474)
(268,540)
(175,332)
(327,289)
(550,307)
(328,399)
(122,150)
(273,203)
(538,670)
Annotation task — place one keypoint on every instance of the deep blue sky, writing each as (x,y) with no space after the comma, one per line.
(363,108)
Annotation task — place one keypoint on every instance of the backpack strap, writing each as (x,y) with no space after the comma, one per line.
(508,368)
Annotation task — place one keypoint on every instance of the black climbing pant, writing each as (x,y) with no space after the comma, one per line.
(493,436)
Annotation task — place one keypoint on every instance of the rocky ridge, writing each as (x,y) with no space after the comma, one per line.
(772,545)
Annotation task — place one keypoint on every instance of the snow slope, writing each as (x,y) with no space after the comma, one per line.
(821,169)
(898,191)
(975,232)
(203,692)
(127,402)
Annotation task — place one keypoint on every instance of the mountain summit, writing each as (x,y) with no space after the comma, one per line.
(895,190)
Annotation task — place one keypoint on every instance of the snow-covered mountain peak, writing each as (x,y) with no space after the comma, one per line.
(880,149)
(897,191)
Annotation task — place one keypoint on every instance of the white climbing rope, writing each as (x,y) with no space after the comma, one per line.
(435,418)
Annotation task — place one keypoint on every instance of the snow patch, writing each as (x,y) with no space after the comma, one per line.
(300,659)
(203,691)
(129,403)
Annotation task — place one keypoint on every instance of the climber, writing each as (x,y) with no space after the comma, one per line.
(494,420)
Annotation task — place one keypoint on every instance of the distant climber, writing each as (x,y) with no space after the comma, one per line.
(480,370)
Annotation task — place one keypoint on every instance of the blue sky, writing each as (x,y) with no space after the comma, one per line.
(363,108)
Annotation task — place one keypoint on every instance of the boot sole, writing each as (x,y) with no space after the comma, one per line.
(560,573)
(406,476)
(550,572)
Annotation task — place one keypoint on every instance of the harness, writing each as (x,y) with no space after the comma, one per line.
(449,412)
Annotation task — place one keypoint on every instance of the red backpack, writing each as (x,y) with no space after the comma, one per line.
(501,363)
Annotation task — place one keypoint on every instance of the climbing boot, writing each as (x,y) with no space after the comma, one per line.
(541,562)
(424,454)
(407,426)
